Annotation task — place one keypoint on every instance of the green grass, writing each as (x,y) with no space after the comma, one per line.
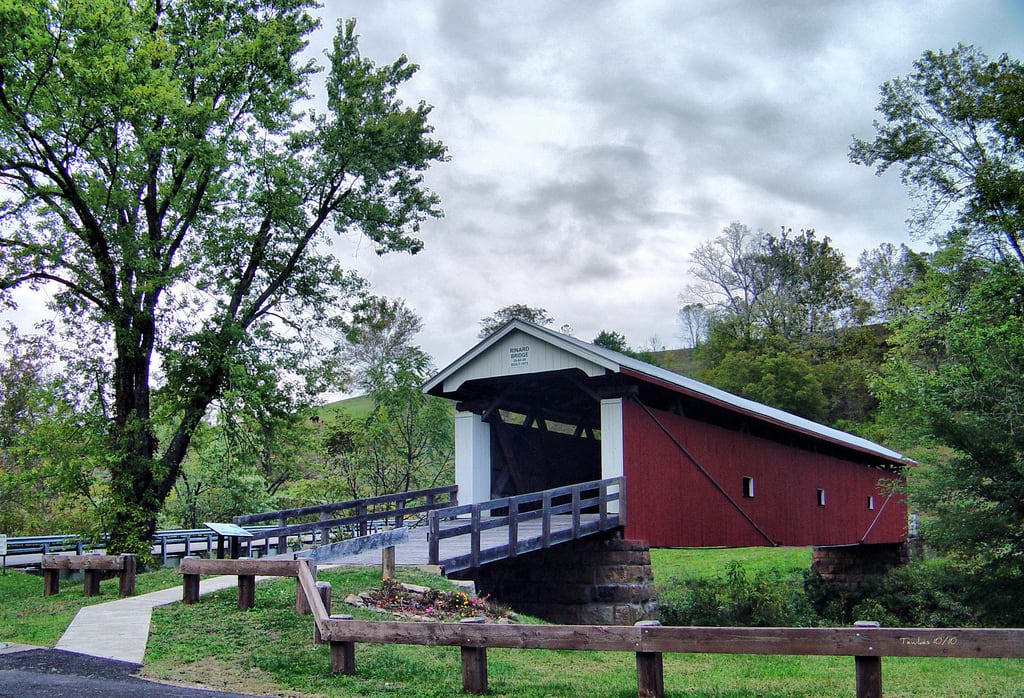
(269,650)
(695,563)
(27,617)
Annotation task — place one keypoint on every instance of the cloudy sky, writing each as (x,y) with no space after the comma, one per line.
(595,143)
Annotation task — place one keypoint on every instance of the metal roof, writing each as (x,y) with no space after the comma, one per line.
(620,363)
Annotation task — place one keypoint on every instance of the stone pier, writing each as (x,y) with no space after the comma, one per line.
(591,581)
(849,567)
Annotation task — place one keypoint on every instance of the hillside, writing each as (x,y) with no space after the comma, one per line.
(357,407)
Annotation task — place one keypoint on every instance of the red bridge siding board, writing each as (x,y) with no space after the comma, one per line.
(671,503)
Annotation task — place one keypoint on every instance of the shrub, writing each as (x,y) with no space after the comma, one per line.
(737,598)
(924,593)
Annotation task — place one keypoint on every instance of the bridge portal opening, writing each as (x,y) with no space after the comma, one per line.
(544,430)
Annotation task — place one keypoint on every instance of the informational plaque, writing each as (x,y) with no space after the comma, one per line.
(228,529)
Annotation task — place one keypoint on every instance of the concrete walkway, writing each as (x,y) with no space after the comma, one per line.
(120,629)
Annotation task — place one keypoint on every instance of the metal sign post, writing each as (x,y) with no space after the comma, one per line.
(3,551)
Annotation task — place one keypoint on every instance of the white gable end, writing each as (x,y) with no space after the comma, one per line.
(518,353)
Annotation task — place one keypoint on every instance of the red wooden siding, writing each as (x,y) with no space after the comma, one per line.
(672,504)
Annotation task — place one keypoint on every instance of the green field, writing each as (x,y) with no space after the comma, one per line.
(694,563)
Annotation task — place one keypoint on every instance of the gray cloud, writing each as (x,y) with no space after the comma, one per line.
(595,143)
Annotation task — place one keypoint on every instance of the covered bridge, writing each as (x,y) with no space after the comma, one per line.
(537,409)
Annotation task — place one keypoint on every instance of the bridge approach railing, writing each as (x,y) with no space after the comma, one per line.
(565,513)
(361,517)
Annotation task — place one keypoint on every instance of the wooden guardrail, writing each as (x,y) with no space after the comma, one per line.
(394,508)
(93,567)
(246,569)
(607,498)
(649,642)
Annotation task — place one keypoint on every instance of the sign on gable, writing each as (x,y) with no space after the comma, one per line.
(519,356)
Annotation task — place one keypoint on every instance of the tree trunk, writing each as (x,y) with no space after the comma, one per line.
(141,480)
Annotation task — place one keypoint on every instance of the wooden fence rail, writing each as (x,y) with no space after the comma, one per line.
(649,642)
(605,498)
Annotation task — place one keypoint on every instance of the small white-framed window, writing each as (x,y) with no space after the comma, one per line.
(748,487)
(821,497)
(871,503)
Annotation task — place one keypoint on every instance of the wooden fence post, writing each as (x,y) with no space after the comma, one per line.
(325,533)
(474,664)
(868,668)
(433,543)
(513,527)
(126,585)
(650,670)
(92,582)
(246,591)
(282,541)
(576,494)
(545,536)
(343,654)
(51,582)
(387,562)
(189,586)
(361,513)
(474,537)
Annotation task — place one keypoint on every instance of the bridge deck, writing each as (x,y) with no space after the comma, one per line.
(415,551)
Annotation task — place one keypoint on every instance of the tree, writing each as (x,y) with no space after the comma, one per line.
(727,267)
(760,284)
(406,441)
(953,127)
(693,319)
(538,316)
(611,340)
(409,441)
(781,379)
(806,284)
(884,275)
(47,441)
(958,383)
(222,477)
(954,379)
(380,328)
(158,176)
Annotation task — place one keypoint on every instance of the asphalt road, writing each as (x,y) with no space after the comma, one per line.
(46,673)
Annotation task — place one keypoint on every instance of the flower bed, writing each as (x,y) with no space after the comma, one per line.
(424,603)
